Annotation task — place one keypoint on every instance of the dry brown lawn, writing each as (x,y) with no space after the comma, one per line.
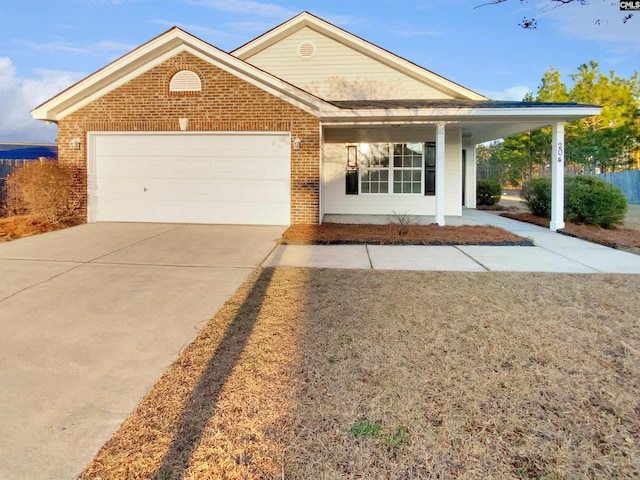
(621,238)
(12,228)
(346,374)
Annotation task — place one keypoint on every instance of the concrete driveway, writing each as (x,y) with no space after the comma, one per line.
(91,316)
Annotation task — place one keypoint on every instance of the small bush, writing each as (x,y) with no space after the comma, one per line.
(46,190)
(488,192)
(588,200)
(593,201)
(537,195)
(403,222)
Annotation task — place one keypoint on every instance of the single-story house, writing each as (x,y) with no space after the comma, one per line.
(303,121)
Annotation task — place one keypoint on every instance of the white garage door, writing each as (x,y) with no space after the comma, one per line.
(190,178)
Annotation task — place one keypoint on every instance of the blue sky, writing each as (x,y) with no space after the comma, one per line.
(45,46)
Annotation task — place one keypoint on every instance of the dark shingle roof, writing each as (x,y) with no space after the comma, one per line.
(412,104)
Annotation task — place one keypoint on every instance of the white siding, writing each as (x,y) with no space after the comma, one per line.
(338,72)
(336,201)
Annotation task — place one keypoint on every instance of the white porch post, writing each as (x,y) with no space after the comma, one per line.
(471,175)
(440,146)
(557,177)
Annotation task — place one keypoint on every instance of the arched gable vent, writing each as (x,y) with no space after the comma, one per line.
(185,81)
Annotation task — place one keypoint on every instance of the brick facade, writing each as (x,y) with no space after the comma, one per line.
(225,104)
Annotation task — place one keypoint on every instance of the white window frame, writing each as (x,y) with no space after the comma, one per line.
(391,169)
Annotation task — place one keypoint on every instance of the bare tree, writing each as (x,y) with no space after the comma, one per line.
(531,23)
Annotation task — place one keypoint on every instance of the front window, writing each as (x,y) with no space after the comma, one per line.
(407,168)
(374,173)
(395,168)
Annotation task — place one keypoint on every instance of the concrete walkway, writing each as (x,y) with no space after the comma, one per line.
(553,252)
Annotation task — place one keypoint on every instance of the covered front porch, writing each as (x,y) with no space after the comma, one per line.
(425,155)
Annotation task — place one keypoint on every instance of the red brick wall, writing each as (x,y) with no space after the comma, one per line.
(226,103)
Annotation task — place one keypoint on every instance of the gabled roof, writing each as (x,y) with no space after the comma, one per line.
(306,19)
(157,51)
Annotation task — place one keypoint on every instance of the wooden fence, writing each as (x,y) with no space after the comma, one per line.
(628,181)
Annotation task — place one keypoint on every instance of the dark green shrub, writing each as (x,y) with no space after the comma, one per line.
(537,195)
(488,192)
(593,201)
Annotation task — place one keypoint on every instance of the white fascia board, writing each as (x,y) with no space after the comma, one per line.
(50,110)
(137,62)
(264,81)
(366,48)
(405,66)
(459,114)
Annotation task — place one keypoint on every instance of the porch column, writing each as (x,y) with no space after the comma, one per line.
(470,177)
(440,146)
(557,177)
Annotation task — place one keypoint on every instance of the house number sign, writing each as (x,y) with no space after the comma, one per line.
(560,152)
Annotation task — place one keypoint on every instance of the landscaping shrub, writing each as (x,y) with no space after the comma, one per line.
(537,195)
(46,190)
(593,201)
(587,200)
(488,192)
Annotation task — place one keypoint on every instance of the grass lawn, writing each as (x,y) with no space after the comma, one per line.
(632,218)
(346,374)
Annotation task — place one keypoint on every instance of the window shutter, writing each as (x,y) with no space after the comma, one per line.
(352,170)
(430,168)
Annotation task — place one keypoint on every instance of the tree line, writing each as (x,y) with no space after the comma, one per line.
(604,143)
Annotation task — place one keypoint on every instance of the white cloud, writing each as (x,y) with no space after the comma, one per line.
(515,93)
(261,9)
(99,49)
(18,96)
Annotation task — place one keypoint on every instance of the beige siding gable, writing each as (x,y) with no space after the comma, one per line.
(332,70)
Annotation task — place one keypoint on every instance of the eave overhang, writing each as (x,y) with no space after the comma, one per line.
(154,53)
(481,122)
(306,19)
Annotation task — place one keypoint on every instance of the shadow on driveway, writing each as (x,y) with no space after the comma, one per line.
(202,402)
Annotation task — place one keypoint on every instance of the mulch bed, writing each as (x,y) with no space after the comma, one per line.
(394,234)
(620,238)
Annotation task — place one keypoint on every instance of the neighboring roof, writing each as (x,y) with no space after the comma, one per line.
(155,52)
(306,19)
(27,150)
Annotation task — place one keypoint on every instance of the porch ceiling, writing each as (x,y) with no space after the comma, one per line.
(479,121)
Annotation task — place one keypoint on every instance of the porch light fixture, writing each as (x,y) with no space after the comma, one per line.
(296,143)
(75,144)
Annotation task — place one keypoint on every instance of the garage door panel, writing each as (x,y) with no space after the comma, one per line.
(186,178)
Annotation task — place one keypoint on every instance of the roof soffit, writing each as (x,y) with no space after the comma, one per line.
(154,53)
(305,19)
